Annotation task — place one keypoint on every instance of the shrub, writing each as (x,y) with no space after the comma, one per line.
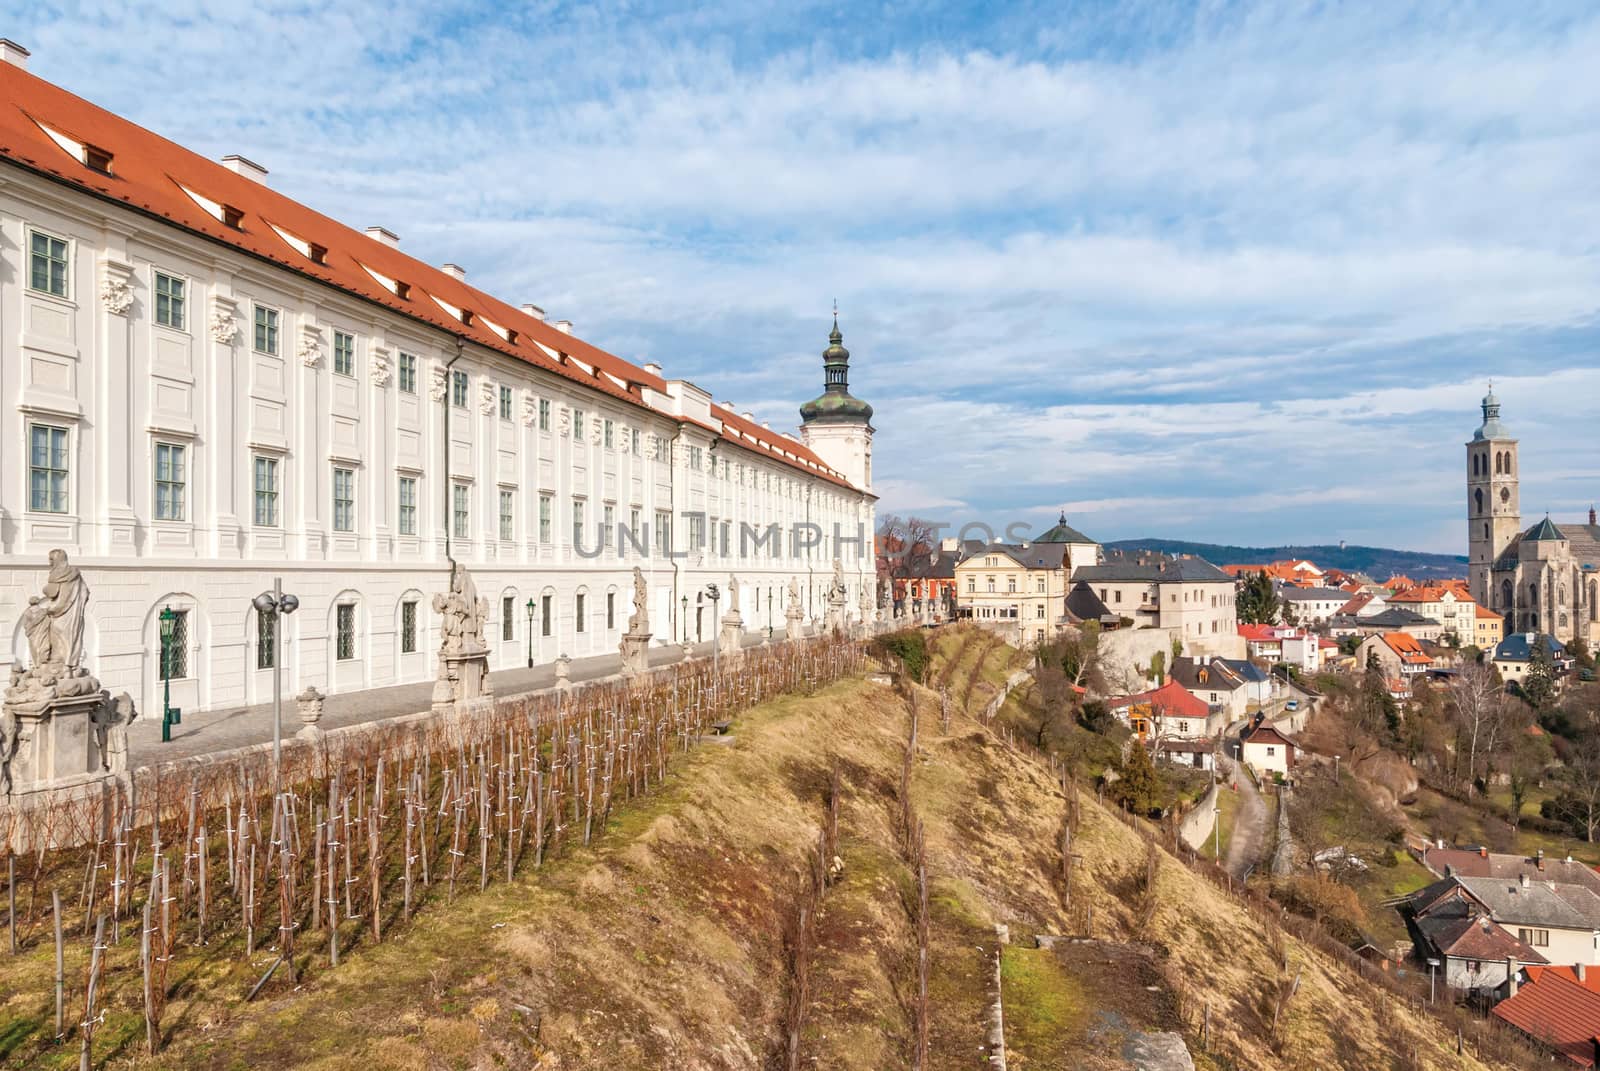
(909,646)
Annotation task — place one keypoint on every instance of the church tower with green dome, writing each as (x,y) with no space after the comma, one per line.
(1494,512)
(835,425)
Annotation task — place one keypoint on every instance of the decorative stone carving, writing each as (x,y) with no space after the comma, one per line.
(530,408)
(730,641)
(868,607)
(487,399)
(794,614)
(116,295)
(595,431)
(564,422)
(53,709)
(438,383)
(463,656)
(224,328)
(310,350)
(564,674)
(635,643)
(381,369)
(309,703)
(111,720)
(838,595)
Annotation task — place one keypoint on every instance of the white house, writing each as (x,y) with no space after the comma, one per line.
(205,384)
(1266,750)
(1308,606)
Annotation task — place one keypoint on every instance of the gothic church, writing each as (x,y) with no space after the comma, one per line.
(1544,579)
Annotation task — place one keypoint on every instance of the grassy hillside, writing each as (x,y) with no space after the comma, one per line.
(1379,562)
(664,943)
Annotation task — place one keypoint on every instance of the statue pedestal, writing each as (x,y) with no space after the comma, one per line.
(794,629)
(463,676)
(56,738)
(834,621)
(730,640)
(635,647)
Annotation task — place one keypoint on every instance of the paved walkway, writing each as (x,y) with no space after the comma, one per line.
(1250,825)
(206,731)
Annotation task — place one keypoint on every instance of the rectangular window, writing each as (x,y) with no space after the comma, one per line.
(727,536)
(408,505)
(266,634)
(345,628)
(611,610)
(545,614)
(546,507)
(697,531)
(175,655)
(609,434)
(694,457)
(508,617)
(169,301)
(663,533)
(577,424)
(577,522)
(608,521)
(508,518)
(458,389)
(266,487)
(47,468)
(47,259)
(633,527)
(636,441)
(344,354)
(460,495)
(1536,938)
(344,500)
(505,403)
(266,330)
(544,414)
(171,479)
(408,627)
(578,611)
(408,373)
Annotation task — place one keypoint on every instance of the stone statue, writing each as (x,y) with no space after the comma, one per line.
(837,592)
(65,594)
(8,747)
(794,598)
(639,623)
(733,594)
(463,673)
(111,723)
(36,626)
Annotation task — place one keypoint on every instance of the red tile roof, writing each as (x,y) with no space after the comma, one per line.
(1171,700)
(1558,1011)
(151,175)
(1259,633)
(1407,647)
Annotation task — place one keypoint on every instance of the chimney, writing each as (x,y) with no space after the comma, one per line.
(653,368)
(1522,878)
(1439,844)
(384,236)
(1578,968)
(455,271)
(240,165)
(1511,977)
(1538,860)
(1591,508)
(564,326)
(1483,851)
(533,310)
(767,424)
(748,415)
(17,56)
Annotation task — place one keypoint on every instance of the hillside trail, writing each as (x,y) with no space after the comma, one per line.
(1249,834)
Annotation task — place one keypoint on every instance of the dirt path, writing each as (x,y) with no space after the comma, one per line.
(1250,829)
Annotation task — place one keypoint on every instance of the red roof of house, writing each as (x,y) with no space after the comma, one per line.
(1486,614)
(1258,633)
(1171,700)
(1407,647)
(1265,733)
(1356,603)
(1555,1009)
(160,179)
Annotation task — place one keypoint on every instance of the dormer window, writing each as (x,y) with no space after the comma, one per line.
(232,217)
(402,290)
(317,253)
(97,159)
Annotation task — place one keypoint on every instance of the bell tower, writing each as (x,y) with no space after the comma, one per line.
(836,426)
(1494,514)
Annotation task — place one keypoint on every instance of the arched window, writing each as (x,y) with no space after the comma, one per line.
(1508,462)
(1477,499)
(1498,459)
(1505,595)
(1594,600)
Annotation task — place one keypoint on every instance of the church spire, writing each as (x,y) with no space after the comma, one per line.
(1491,428)
(835,404)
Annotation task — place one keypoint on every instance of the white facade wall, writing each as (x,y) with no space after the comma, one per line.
(118,385)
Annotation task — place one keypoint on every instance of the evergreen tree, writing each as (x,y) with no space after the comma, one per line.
(1257,603)
(1539,686)
(1139,787)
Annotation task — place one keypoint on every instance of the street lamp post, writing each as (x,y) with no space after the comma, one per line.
(685,619)
(169,715)
(530,633)
(276,603)
(716,642)
(1216,830)
(769,614)
(1432,963)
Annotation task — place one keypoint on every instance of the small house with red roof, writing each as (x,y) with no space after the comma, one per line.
(1557,1006)
(1266,750)
(1169,711)
(1399,654)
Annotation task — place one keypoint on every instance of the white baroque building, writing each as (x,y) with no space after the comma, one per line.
(204,385)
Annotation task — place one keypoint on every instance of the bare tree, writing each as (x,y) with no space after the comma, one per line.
(1480,711)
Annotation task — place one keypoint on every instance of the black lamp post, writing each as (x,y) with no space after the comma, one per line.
(530,633)
(685,619)
(716,620)
(277,604)
(699,616)
(769,614)
(169,715)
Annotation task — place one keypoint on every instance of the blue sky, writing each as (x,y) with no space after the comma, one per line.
(1212,271)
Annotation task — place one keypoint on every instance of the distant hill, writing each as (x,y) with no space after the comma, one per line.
(1378,562)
